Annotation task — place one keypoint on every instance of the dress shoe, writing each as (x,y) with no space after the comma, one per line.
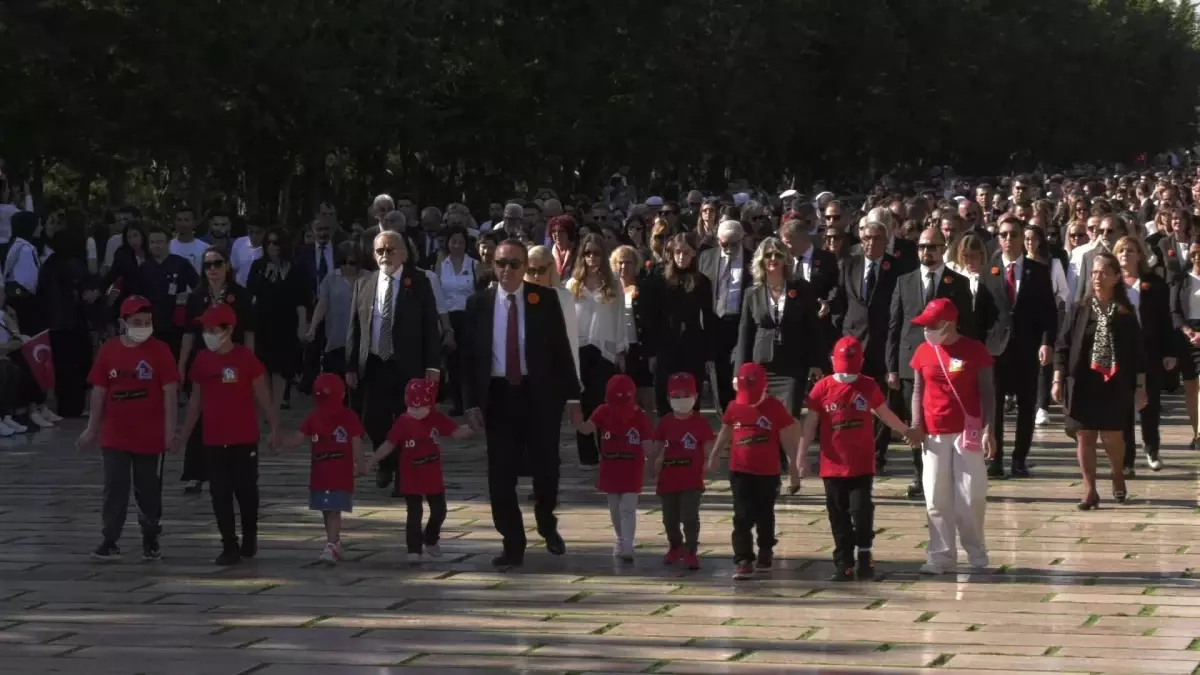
(916,490)
(996,470)
(1020,471)
(554,543)
(508,560)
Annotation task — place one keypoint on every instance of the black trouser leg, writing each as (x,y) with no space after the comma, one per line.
(728,339)
(670,518)
(437,517)
(1026,393)
(454,362)
(903,399)
(753,513)
(412,525)
(883,434)
(195,456)
(147,493)
(117,471)
(862,510)
(1151,415)
(837,503)
(1003,375)
(1045,376)
(689,515)
(507,426)
(596,371)
(221,488)
(766,494)
(382,394)
(245,489)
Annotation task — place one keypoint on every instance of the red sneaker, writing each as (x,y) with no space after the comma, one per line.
(744,570)
(691,561)
(674,555)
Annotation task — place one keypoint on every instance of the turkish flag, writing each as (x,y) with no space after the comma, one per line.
(40,359)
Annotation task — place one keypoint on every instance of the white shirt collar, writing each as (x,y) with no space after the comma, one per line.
(1006,262)
(937,271)
(502,295)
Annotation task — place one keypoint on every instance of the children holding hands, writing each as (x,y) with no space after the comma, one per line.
(686,439)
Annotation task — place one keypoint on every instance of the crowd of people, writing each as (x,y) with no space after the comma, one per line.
(923,311)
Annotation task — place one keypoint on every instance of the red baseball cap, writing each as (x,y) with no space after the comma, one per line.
(848,356)
(220,315)
(681,385)
(134,304)
(936,312)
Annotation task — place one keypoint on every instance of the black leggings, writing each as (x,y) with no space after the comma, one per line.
(413,535)
(233,473)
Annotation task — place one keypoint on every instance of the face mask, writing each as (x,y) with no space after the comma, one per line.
(139,334)
(683,406)
(936,337)
(419,413)
(845,378)
(213,341)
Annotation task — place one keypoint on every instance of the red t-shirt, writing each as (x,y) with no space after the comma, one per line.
(133,379)
(622,462)
(963,361)
(332,449)
(230,411)
(847,425)
(420,463)
(756,435)
(683,452)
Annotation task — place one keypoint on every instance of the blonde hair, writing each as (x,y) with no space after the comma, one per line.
(758,265)
(614,258)
(1143,259)
(608,281)
(543,254)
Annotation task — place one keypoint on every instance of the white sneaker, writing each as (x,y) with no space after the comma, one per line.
(37,419)
(414,558)
(330,555)
(433,551)
(1042,417)
(6,431)
(930,568)
(15,425)
(1156,463)
(49,415)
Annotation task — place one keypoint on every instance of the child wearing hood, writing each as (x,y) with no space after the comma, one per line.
(337,455)
(843,405)
(754,425)
(686,439)
(625,439)
(416,432)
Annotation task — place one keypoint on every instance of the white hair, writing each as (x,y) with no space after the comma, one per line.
(882,215)
(396,215)
(730,230)
(382,199)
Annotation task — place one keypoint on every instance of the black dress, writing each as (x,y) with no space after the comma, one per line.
(1091,403)
(276,298)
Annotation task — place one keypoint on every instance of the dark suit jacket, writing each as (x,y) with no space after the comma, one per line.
(863,318)
(991,320)
(549,363)
(419,241)
(789,346)
(905,253)
(908,302)
(1174,264)
(709,264)
(306,261)
(1159,337)
(1035,312)
(416,338)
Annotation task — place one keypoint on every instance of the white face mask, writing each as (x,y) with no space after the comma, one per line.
(683,406)
(845,378)
(139,334)
(937,336)
(213,341)
(419,413)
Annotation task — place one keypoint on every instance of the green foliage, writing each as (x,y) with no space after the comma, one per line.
(280,101)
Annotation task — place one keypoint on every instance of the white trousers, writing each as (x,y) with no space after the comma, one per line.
(956,501)
(622,507)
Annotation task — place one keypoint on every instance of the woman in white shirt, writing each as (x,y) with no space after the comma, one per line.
(603,341)
(456,275)
(1185,315)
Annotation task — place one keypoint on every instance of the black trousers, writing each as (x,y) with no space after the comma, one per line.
(851,516)
(595,371)
(233,473)
(727,339)
(10,384)
(144,472)
(682,509)
(900,401)
(72,349)
(1016,373)
(312,354)
(753,509)
(414,536)
(195,456)
(382,394)
(454,361)
(1045,379)
(1150,417)
(521,441)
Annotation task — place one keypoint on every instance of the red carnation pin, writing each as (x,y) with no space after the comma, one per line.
(534,299)
(407,282)
(1171,252)
(792,293)
(995,271)
(229,299)
(649,264)
(886,266)
(1145,285)
(947,279)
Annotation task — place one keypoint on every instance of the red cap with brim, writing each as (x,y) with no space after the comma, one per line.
(134,304)
(936,312)
(681,385)
(221,315)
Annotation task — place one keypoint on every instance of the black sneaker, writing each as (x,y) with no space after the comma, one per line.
(229,556)
(194,488)
(916,490)
(1020,471)
(150,550)
(866,567)
(996,469)
(766,559)
(846,574)
(107,551)
(249,547)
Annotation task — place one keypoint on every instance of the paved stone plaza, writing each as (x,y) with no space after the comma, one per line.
(1069,592)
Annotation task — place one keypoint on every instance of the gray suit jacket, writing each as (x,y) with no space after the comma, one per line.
(416,338)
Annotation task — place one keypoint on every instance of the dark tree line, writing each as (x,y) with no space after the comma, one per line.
(279,101)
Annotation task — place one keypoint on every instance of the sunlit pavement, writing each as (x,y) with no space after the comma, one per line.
(1109,591)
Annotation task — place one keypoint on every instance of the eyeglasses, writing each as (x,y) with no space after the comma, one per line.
(928,247)
(538,271)
(385,250)
(213,264)
(510,263)
(773,255)
(1007,234)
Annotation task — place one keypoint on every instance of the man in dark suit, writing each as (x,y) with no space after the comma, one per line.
(393,338)
(1033,325)
(902,250)
(728,268)
(392,221)
(817,267)
(316,261)
(518,374)
(861,307)
(915,289)
(425,238)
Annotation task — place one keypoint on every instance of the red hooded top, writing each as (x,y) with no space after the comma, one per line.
(622,427)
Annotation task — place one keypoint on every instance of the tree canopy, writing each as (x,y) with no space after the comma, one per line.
(282,101)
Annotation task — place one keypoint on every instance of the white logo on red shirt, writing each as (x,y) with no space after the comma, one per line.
(340,435)
(434,435)
(689,441)
(606,436)
(633,437)
(228,375)
(860,403)
(763,423)
(410,444)
(144,371)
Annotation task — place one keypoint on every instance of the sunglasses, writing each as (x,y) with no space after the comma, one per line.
(1105,230)
(774,255)
(385,250)
(538,271)
(928,247)
(834,236)
(1007,234)
(213,264)
(510,263)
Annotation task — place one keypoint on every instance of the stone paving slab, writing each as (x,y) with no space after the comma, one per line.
(1112,591)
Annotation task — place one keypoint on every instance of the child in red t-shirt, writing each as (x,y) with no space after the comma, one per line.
(337,455)
(227,382)
(843,405)
(625,439)
(686,439)
(753,426)
(416,433)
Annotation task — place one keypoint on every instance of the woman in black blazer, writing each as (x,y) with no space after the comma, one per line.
(1151,300)
(779,327)
(679,316)
(1185,317)
(1100,375)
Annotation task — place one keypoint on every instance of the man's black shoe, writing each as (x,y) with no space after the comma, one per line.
(107,551)
(508,560)
(150,550)
(383,478)
(916,490)
(866,567)
(554,543)
(996,469)
(249,547)
(229,556)
(1020,471)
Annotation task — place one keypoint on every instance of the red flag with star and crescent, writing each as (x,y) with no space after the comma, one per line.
(40,359)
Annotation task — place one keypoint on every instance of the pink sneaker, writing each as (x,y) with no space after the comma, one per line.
(691,561)
(674,555)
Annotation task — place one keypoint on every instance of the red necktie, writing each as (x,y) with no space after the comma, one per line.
(512,344)
(1010,283)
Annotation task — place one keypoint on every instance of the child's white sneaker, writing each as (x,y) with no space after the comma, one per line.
(414,558)
(930,568)
(41,421)
(433,551)
(330,555)
(14,425)
(6,431)
(50,415)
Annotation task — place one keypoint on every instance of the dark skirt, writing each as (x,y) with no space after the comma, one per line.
(1092,404)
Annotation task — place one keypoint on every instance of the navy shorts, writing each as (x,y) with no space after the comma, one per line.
(331,500)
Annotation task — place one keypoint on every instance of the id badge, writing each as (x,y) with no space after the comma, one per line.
(778,337)
(171,288)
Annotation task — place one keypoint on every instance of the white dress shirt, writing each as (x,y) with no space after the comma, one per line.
(22,265)
(500,331)
(435,284)
(1134,292)
(937,279)
(241,256)
(1193,297)
(1075,265)
(1058,279)
(601,323)
(867,264)
(1019,265)
(457,286)
(381,297)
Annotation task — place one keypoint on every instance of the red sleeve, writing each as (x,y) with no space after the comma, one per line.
(814,402)
(396,435)
(871,389)
(918,359)
(166,364)
(599,415)
(352,424)
(200,366)
(98,377)
(444,425)
(778,415)
(660,430)
(727,418)
(644,429)
(306,427)
(703,430)
(253,365)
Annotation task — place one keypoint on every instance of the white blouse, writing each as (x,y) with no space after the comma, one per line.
(601,324)
(457,287)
